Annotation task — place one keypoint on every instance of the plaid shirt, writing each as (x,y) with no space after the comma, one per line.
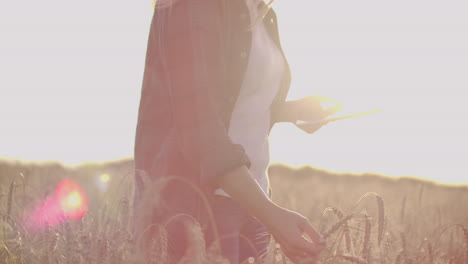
(196,59)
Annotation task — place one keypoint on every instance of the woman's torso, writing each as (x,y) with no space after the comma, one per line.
(250,119)
(157,150)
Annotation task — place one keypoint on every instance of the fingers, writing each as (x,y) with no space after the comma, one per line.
(310,231)
(333,110)
(310,248)
(298,239)
(324,99)
(311,128)
(299,246)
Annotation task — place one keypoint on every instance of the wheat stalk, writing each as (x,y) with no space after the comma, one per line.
(381,213)
(367,235)
(465,236)
(124,208)
(404,251)
(430,252)
(337,225)
(340,214)
(11,190)
(6,250)
(420,197)
(381,220)
(403,209)
(385,250)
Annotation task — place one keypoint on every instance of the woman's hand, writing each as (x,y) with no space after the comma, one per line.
(309,109)
(288,228)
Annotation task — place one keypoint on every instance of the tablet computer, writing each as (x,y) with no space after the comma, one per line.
(335,118)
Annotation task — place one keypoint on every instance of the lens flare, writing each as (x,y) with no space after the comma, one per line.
(69,201)
(72,199)
(102,181)
(104,178)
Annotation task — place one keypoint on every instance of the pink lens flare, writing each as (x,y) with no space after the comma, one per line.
(69,201)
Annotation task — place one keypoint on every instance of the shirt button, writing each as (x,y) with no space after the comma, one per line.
(243,54)
(272,20)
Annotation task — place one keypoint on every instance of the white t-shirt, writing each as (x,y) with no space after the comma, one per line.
(250,119)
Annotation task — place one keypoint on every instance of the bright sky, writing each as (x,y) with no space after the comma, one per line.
(71,77)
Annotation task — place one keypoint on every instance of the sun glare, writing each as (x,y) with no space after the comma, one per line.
(73,200)
(68,202)
(104,178)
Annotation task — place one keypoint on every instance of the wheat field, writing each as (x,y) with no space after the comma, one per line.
(366,218)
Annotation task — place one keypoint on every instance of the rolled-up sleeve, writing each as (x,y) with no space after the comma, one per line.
(191,40)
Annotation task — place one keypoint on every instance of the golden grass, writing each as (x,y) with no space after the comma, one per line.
(410,221)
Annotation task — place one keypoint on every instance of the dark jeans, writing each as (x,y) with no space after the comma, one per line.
(241,235)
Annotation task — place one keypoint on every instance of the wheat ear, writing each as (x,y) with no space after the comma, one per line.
(337,225)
